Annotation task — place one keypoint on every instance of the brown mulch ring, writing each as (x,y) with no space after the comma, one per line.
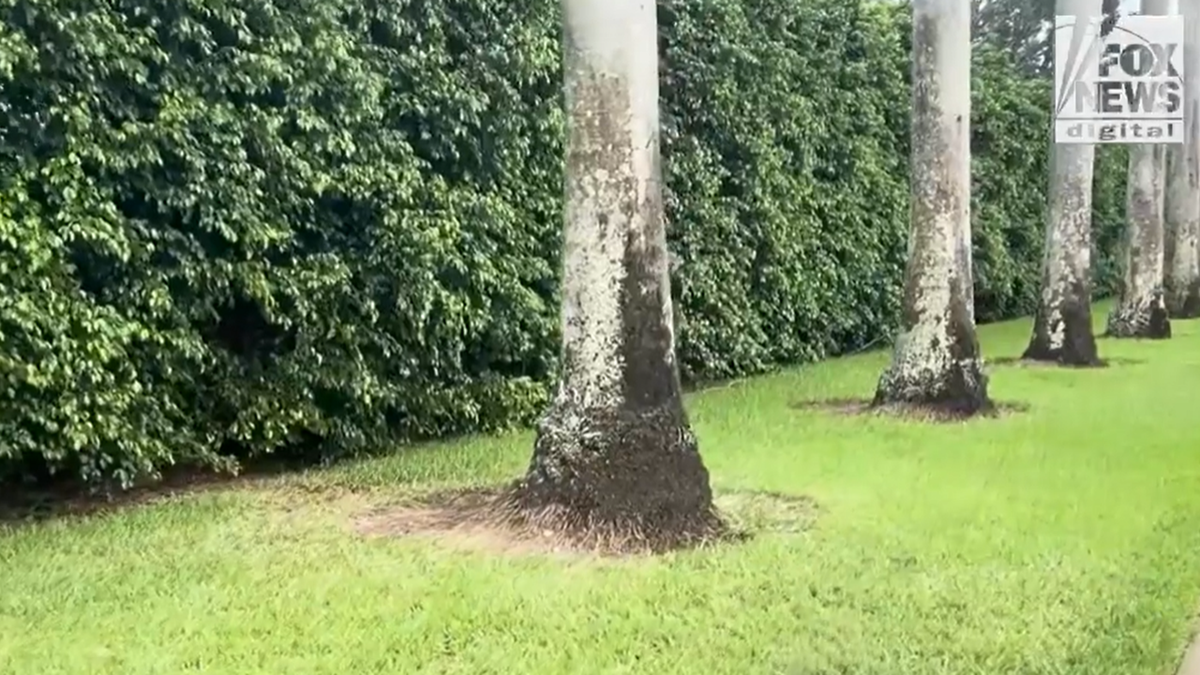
(443,511)
(479,519)
(1016,361)
(858,406)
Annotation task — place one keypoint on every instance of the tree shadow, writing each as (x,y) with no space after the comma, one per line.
(66,498)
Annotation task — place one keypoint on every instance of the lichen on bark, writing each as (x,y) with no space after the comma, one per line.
(936,360)
(1062,327)
(1140,310)
(615,461)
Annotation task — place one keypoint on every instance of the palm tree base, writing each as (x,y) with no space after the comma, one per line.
(1067,339)
(1184,304)
(1144,318)
(617,480)
(954,387)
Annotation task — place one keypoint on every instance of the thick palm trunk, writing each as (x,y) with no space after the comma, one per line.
(615,458)
(1182,245)
(1062,328)
(936,360)
(1140,311)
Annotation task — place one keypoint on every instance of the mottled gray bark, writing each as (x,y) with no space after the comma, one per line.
(936,361)
(615,457)
(1182,211)
(1140,311)
(1062,328)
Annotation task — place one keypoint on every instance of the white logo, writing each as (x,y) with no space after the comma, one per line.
(1126,87)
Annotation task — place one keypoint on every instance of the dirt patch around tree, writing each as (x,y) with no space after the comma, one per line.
(477,519)
(920,413)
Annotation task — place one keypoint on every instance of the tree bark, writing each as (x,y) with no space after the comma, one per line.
(615,460)
(1182,227)
(1140,311)
(936,362)
(1062,327)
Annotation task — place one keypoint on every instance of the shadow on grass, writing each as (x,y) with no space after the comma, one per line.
(62,499)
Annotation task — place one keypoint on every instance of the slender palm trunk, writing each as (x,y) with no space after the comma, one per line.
(1140,311)
(615,458)
(1182,236)
(1062,328)
(936,361)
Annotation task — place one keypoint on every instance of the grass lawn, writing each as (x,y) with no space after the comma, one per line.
(1065,539)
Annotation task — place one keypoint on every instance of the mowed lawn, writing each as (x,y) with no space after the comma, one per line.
(1065,539)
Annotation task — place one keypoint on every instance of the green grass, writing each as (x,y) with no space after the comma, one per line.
(1062,540)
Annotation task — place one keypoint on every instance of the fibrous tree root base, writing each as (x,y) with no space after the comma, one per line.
(908,411)
(616,481)
(1065,338)
(1145,319)
(585,531)
(1027,362)
(1184,304)
(957,391)
(1068,357)
(479,518)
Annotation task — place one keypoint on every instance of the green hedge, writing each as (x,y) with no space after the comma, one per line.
(232,229)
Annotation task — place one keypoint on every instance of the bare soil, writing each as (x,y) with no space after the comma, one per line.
(463,518)
(479,519)
(1016,361)
(922,413)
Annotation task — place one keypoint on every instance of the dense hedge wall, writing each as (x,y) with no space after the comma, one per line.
(230,229)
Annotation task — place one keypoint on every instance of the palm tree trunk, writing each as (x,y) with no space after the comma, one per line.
(1182,245)
(1062,328)
(936,361)
(1140,311)
(615,459)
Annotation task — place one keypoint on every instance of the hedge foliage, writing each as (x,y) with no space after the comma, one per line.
(236,228)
